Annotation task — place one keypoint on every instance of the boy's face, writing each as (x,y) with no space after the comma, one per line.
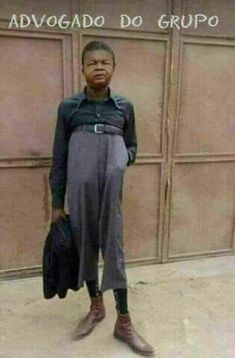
(98,68)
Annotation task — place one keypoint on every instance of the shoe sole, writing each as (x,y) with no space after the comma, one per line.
(120,338)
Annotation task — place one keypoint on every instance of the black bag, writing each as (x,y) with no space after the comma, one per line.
(60,260)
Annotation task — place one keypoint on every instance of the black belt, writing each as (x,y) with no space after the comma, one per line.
(99,128)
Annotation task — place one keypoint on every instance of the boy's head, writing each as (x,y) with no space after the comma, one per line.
(98,64)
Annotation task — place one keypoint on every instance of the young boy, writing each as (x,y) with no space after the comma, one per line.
(95,140)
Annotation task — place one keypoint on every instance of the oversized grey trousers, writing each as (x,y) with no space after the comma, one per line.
(95,172)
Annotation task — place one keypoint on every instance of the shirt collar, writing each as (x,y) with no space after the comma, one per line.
(83,96)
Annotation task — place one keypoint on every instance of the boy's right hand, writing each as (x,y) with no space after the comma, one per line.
(56,214)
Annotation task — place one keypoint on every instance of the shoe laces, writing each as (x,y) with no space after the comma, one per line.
(127,326)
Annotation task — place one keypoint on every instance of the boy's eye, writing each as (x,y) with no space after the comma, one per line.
(93,63)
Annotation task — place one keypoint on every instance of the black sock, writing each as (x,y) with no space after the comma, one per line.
(93,288)
(120,295)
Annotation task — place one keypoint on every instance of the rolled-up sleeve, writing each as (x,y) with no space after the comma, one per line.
(130,136)
(58,171)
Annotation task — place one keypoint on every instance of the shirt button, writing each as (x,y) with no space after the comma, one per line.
(97,115)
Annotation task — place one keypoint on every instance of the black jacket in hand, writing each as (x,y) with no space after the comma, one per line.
(60,260)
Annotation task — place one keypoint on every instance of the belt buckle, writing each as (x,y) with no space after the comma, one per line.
(96,130)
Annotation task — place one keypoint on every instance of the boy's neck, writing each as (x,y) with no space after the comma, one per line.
(97,94)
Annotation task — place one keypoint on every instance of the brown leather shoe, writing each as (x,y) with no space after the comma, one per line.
(95,315)
(125,332)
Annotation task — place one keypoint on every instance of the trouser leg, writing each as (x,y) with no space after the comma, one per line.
(111,219)
(83,201)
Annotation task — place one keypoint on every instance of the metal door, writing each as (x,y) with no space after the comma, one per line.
(200,205)
(179,195)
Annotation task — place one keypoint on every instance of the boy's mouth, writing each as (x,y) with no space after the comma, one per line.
(100,75)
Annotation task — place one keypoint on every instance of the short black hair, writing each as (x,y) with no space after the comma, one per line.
(97,45)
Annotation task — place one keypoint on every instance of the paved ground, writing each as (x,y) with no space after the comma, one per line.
(184,309)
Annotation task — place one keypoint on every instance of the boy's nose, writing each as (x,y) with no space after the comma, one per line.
(99,65)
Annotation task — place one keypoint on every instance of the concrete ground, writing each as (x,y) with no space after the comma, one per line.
(184,309)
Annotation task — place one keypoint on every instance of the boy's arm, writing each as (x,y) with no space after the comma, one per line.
(130,137)
(58,171)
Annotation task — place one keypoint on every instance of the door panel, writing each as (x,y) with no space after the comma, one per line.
(141,211)
(225,10)
(24,213)
(34,78)
(202,208)
(38,8)
(206,109)
(132,9)
(144,199)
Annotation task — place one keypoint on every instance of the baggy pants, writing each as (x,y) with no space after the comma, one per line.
(95,171)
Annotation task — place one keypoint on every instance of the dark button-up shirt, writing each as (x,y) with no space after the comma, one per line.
(116,110)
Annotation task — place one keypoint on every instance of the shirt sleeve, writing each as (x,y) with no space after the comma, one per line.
(58,171)
(130,136)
